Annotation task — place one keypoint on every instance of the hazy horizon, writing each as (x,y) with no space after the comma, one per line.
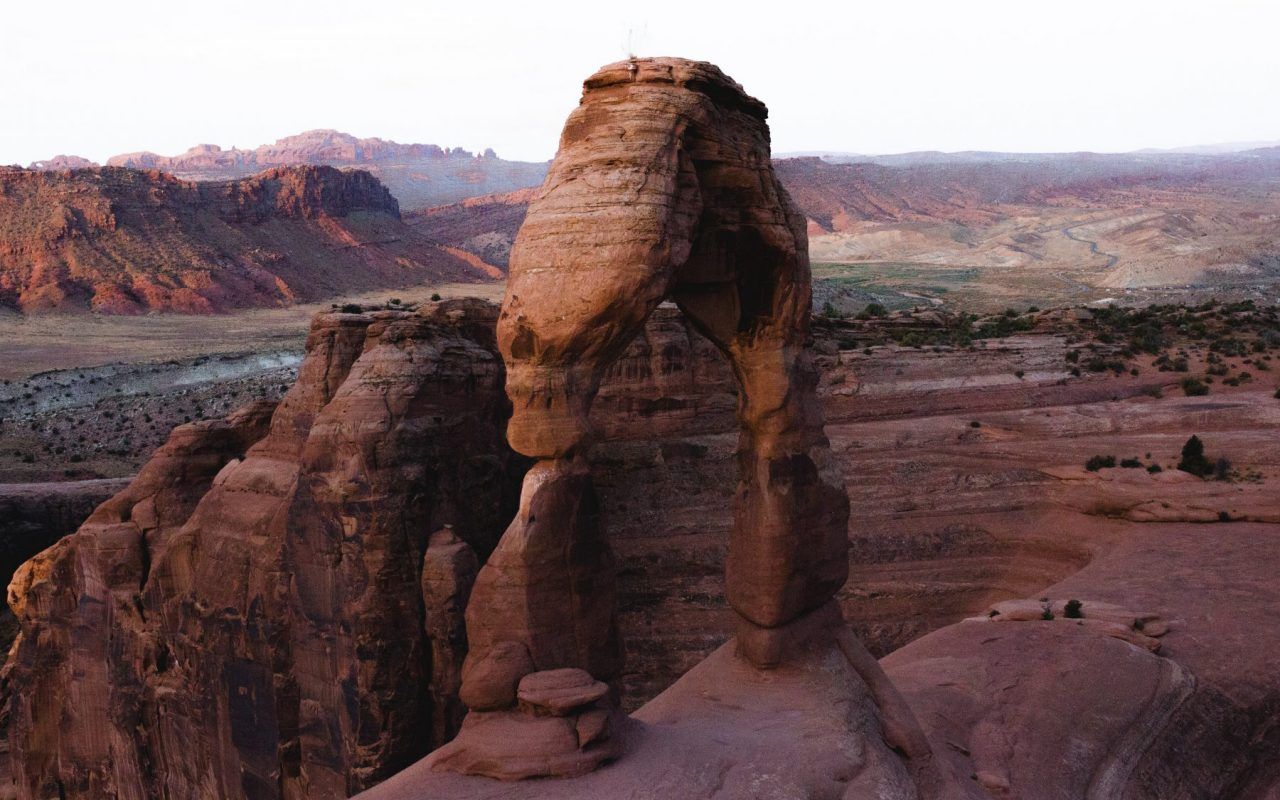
(1000,76)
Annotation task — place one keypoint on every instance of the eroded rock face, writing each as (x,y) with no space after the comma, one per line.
(662,189)
(124,241)
(275,619)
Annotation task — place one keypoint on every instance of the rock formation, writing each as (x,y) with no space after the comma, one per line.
(419,175)
(265,611)
(662,189)
(123,241)
(62,162)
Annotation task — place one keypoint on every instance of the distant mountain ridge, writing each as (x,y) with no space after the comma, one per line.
(321,146)
(418,175)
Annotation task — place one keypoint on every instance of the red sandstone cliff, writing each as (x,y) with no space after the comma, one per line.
(251,617)
(124,241)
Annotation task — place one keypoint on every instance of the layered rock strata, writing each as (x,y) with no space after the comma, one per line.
(662,189)
(265,611)
(124,241)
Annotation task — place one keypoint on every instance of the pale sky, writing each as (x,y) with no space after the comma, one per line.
(96,78)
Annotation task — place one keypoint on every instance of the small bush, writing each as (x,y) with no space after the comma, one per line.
(1154,468)
(873,310)
(1222,469)
(1153,391)
(1194,387)
(1131,463)
(1047,613)
(1019,373)
(352,308)
(1098,462)
(975,424)
(1193,459)
(829,310)
(1224,516)
(1073,610)
(435,298)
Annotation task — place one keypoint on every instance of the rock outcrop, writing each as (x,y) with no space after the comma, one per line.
(124,241)
(662,188)
(419,175)
(265,612)
(62,162)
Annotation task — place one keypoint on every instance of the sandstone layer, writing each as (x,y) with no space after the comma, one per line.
(123,241)
(662,188)
(252,617)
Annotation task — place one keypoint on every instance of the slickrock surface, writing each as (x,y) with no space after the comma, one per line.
(724,730)
(249,620)
(1196,720)
(125,241)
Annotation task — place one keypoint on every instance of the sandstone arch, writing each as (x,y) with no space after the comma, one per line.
(662,189)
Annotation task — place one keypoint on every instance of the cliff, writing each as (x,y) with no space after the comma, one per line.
(123,241)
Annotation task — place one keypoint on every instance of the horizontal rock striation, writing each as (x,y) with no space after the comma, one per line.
(123,241)
(252,617)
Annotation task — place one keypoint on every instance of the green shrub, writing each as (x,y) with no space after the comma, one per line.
(1096,463)
(1073,610)
(435,298)
(1194,387)
(351,308)
(873,310)
(1193,459)
(1131,463)
(1154,468)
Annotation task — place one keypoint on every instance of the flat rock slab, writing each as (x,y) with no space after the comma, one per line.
(724,730)
(559,691)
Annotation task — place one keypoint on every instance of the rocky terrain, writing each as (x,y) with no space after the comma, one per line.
(1069,589)
(973,231)
(1049,229)
(953,517)
(123,241)
(418,175)
(996,229)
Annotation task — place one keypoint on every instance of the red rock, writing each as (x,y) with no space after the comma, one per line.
(559,691)
(449,569)
(493,675)
(121,241)
(251,621)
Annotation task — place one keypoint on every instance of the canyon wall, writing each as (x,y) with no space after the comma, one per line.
(123,241)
